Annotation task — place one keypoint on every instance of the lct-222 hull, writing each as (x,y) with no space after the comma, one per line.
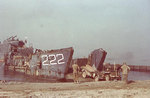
(52,64)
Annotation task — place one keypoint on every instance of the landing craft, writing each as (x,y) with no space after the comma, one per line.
(16,56)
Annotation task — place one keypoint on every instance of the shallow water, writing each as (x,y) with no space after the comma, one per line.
(135,75)
(20,77)
(14,76)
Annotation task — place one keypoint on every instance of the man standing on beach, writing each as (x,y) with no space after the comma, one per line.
(125,70)
(75,68)
(117,68)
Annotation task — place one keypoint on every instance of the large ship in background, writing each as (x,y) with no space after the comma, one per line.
(16,56)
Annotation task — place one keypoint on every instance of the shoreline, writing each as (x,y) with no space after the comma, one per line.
(69,89)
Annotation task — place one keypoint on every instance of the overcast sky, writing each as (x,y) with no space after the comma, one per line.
(121,27)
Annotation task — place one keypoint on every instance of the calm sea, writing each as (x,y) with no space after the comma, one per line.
(11,76)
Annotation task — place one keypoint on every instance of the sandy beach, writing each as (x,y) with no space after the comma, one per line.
(101,89)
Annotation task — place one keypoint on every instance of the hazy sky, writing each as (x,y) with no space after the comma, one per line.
(121,27)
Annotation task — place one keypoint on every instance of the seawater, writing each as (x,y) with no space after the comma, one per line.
(136,75)
(14,76)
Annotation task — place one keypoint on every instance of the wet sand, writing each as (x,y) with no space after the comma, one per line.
(101,89)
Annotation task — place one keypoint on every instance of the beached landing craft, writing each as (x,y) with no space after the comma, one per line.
(16,56)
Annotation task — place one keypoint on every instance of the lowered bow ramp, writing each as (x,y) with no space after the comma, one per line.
(97,58)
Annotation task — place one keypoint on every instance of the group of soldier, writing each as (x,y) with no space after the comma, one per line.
(124,68)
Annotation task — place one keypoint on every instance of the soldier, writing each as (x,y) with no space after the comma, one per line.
(39,65)
(75,68)
(107,66)
(117,68)
(125,70)
(5,59)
